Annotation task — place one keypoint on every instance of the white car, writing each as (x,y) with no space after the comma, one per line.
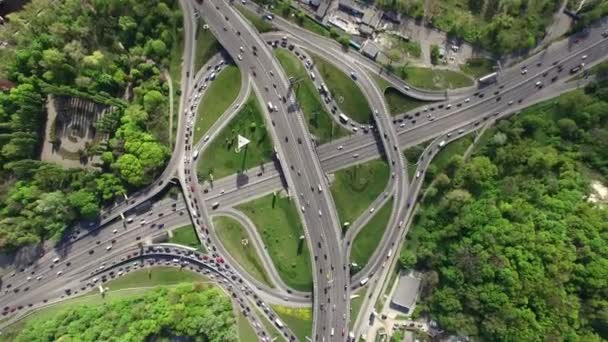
(372,210)
(240,57)
(340,147)
(584,57)
(467,100)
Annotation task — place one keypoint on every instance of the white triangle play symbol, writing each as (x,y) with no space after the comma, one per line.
(241,141)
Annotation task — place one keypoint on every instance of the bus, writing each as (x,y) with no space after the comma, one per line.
(489,79)
(344,118)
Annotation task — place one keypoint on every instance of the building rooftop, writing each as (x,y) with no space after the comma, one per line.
(370,49)
(406,292)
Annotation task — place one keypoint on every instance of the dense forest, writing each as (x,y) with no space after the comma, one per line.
(106,51)
(511,246)
(190,310)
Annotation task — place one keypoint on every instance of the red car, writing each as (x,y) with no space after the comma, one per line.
(219,260)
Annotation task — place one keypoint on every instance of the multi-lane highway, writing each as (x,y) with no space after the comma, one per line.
(102,251)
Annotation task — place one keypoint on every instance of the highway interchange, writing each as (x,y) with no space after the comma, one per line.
(98,251)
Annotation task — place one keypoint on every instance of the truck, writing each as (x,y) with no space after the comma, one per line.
(364,281)
(344,118)
(489,79)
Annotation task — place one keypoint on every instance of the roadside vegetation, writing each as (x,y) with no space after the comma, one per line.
(320,123)
(278,223)
(256,20)
(478,67)
(217,99)
(433,79)
(344,90)
(412,154)
(501,27)
(239,244)
(220,159)
(355,188)
(186,310)
(299,320)
(186,236)
(72,50)
(355,306)
(528,193)
(368,239)
(246,332)
(399,103)
(206,46)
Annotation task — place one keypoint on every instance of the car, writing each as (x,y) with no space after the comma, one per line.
(524,71)
(510,102)
(240,57)
(372,210)
(467,100)
(584,57)
(340,147)
(115,231)
(109,247)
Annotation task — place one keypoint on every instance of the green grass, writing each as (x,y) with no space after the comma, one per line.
(381,82)
(343,88)
(130,285)
(402,48)
(356,187)
(434,79)
(154,276)
(206,46)
(277,220)
(175,70)
(320,124)
(220,158)
(369,237)
(399,103)
(217,99)
(256,20)
(244,329)
(355,306)
(231,234)
(478,67)
(185,236)
(299,320)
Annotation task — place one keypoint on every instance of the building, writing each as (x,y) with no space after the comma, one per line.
(370,50)
(404,297)
(366,30)
(351,8)
(391,16)
(321,8)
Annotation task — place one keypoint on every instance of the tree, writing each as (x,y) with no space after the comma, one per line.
(85,203)
(130,169)
(407,259)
